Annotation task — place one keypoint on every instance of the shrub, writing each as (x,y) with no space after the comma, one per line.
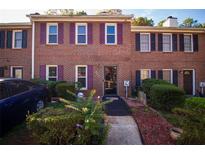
(195,104)
(62,89)
(148,83)
(166,97)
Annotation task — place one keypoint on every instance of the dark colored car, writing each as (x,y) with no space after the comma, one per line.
(17,99)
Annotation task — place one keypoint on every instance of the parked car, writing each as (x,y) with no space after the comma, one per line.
(17,99)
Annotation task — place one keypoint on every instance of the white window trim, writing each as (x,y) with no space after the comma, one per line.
(192,48)
(170,74)
(47,33)
(13,39)
(171,42)
(149,42)
(146,70)
(11,70)
(47,71)
(111,24)
(76,33)
(86,77)
(193,81)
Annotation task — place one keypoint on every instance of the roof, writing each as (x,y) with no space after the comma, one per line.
(166,29)
(119,18)
(16,25)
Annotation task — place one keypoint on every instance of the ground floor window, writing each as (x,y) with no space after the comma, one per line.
(17,72)
(52,72)
(167,75)
(81,76)
(145,74)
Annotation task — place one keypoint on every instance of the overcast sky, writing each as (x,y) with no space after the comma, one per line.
(155,14)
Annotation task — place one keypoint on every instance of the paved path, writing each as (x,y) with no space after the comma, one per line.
(124,130)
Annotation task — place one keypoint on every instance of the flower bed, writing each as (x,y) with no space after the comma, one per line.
(153,128)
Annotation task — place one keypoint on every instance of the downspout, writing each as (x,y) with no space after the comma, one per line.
(33,50)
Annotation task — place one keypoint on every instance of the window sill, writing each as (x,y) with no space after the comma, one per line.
(52,44)
(81,44)
(189,51)
(110,44)
(145,51)
(17,48)
(167,51)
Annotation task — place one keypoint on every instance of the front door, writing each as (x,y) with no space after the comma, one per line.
(17,72)
(188,81)
(110,78)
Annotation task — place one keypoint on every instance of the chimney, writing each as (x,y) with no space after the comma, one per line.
(171,22)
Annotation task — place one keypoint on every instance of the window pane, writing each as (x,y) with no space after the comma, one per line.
(166,42)
(81,71)
(52,29)
(187,42)
(81,39)
(81,29)
(18,35)
(82,82)
(110,38)
(18,43)
(144,42)
(52,71)
(52,38)
(167,75)
(110,29)
(144,74)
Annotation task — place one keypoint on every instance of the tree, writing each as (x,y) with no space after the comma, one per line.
(160,24)
(81,13)
(69,12)
(190,22)
(142,21)
(110,12)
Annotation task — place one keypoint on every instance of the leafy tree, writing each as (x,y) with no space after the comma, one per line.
(190,22)
(142,21)
(69,12)
(110,12)
(160,24)
(81,13)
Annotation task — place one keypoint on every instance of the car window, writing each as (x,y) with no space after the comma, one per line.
(28,85)
(3,91)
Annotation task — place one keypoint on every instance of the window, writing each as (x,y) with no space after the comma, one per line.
(52,33)
(145,74)
(167,42)
(52,73)
(81,33)
(188,42)
(17,72)
(167,75)
(1,72)
(17,39)
(111,31)
(81,76)
(144,42)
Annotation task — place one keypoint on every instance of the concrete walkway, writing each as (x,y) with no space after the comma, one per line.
(123,131)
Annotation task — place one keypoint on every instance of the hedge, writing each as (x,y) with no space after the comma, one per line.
(165,97)
(62,91)
(148,83)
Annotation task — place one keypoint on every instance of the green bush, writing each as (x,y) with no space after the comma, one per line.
(165,97)
(195,104)
(62,91)
(148,83)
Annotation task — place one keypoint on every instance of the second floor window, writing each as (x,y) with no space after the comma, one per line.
(17,41)
(144,42)
(110,34)
(81,33)
(52,37)
(167,42)
(188,43)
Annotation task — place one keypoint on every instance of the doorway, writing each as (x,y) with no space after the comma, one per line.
(110,78)
(17,72)
(188,81)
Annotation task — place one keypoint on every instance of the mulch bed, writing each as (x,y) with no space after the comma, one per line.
(154,128)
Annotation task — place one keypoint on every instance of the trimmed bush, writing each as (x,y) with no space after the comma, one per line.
(195,104)
(148,83)
(62,90)
(165,97)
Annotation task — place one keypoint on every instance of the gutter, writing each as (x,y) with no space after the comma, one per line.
(33,50)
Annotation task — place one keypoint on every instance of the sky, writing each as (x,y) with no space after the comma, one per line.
(156,14)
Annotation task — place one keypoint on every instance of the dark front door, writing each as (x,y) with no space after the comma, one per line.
(188,81)
(110,78)
(17,72)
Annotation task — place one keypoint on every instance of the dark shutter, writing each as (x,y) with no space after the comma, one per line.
(42,72)
(160,42)
(24,39)
(138,78)
(175,77)
(43,33)
(72,33)
(160,74)
(153,74)
(90,76)
(2,39)
(137,41)
(9,39)
(195,43)
(1,72)
(90,33)
(60,33)
(119,33)
(153,42)
(181,42)
(60,72)
(102,33)
(174,42)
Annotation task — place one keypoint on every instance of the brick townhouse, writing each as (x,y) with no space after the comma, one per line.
(102,52)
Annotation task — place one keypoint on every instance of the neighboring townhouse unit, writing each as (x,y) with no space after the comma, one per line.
(101,52)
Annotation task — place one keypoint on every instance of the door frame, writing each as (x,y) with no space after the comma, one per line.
(11,70)
(193,80)
(103,83)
